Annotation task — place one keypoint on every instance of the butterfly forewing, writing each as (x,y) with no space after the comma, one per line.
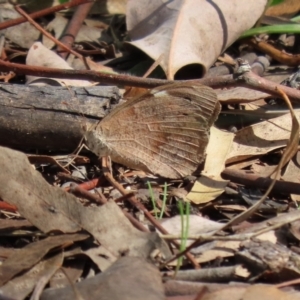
(165,131)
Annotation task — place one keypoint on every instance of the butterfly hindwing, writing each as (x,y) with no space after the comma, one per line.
(164,131)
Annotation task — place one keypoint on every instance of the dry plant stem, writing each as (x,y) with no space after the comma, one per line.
(252,81)
(218,274)
(73,286)
(42,13)
(288,283)
(141,207)
(138,225)
(44,32)
(89,185)
(253,180)
(279,55)
(74,27)
(249,80)
(124,197)
(80,192)
(153,66)
(83,74)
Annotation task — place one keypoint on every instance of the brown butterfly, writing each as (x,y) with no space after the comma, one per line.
(164,131)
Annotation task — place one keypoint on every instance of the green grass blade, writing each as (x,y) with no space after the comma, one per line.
(164,201)
(277,29)
(185,223)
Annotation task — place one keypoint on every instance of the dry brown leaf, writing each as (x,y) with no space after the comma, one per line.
(228,293)
(267,293)
(101,257)
(190,34)
(239,95)
(289,152)
(294,229)
(129,278)
(197,225)
(12,224)
(23,34)
(213,250)
(39,55)
(206,189)
(50,209)
(21,286)
(69,273)
(244,164)
(253,292)
(33,253)
(261,138)
(262,169)
(35,199)
(219,146)
(285,8)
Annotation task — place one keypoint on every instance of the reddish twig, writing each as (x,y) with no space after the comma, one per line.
(82,193)
(44,32)
(292,60)
(248,79)
(138,225)
(82,74)
(42,13)
(74,27)
(89,185)
(8,207)
(288,283)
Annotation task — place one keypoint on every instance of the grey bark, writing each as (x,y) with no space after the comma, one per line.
(51,118)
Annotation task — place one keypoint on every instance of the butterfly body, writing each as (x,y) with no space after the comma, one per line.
(164,131)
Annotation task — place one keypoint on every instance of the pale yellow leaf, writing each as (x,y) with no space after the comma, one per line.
(210,185)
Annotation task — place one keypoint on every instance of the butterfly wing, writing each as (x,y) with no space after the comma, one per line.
(164,131)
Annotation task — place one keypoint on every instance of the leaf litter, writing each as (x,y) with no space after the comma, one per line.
(57,231)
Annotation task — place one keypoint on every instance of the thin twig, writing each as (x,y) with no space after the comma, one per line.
(73,27)
(42,13)
(44,32)
(249,80)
